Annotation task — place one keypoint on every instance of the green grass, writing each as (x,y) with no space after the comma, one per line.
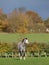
(28,61)
(35,37)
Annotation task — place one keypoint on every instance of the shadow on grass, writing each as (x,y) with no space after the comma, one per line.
(17,59)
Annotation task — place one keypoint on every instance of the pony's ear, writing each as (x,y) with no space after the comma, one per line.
(25,38)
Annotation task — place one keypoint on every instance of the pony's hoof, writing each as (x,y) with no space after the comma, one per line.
(20,58)
(24,58)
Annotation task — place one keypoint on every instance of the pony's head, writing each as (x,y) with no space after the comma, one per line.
(25,40)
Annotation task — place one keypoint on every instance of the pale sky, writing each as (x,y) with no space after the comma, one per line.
(39,6)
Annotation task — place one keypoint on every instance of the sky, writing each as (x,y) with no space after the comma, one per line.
(39,6)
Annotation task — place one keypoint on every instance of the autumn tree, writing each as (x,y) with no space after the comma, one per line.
(23,23)
(47,23)
(3,22)
(18,22)
(36,23)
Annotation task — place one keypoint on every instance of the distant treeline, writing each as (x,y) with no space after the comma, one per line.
(22,21)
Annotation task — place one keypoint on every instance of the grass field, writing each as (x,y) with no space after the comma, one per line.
(35,37)
(42,37)
(28,61)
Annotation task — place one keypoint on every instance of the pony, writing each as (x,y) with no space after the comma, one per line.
(22,48)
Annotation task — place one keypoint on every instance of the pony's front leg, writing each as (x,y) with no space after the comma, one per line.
(20,54)
(24,55)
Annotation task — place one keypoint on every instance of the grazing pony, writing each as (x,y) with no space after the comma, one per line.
(22,48)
